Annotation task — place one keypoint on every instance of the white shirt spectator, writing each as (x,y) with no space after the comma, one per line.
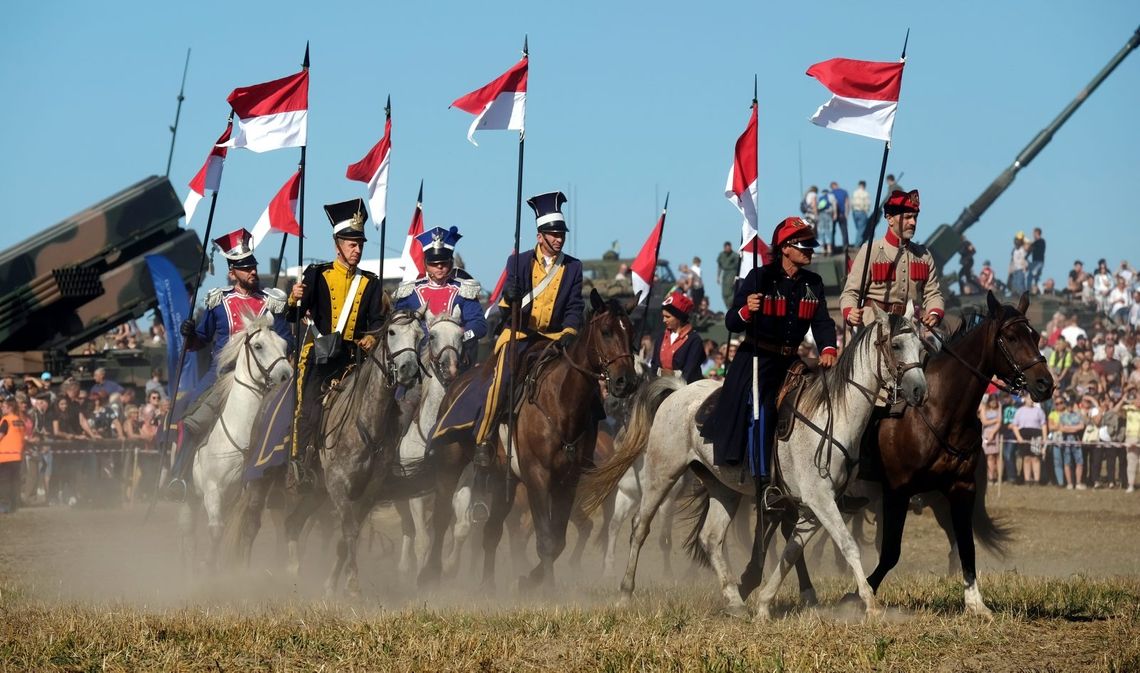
(1118,298)
(861,201)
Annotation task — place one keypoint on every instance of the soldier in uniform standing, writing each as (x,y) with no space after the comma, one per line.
(441,289)
(774,306)
(346,306)
(224,317)
(548,291)
(901,269)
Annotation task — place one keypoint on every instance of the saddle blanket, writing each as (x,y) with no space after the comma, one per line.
(272,437)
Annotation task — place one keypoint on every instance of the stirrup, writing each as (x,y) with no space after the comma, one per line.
(772,499)
(175,491)
(484,455)
(298,478)
(478,511)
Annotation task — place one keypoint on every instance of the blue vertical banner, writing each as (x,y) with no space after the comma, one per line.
(174,303)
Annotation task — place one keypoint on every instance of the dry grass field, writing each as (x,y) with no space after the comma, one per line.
(84,590)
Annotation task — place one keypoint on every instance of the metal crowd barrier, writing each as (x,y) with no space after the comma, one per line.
(94,472)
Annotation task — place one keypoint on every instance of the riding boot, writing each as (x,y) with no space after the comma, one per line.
(182,471)
(484,453)
(300,476)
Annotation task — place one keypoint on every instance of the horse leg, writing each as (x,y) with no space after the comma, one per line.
(258,494)
(561,508)
(893,520)
(212,500)
(295,522)
(420,507)
(584,525)
(807,590)
(668,514)
(657,480)
(962,516)
(407,562)
(624,503)
(461,530)
(761,541)
(520,525)
(804,529)
(446,478)
(722,503)
(187,526)
(827,512)
(945,518)
(541,498)
(500,507)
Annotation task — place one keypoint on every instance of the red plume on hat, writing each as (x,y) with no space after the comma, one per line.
(902,202)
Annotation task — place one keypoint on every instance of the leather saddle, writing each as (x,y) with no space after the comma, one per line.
(788,397)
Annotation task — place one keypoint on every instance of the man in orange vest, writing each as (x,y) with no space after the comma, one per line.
(11,454)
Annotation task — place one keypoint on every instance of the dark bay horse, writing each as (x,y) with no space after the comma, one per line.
(556,428)
(938,447)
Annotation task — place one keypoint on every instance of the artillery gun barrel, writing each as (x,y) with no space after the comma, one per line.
(946,240)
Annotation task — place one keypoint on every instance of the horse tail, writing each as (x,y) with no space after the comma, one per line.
(695,506)
(994,533)
(598,483)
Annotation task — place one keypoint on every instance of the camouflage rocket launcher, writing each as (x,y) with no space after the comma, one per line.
(87,274)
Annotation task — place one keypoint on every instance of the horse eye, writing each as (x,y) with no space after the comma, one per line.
(391,332)
(256,347)
(607,333)
(896,347)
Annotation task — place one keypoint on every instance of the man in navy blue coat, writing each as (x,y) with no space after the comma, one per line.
(774,306)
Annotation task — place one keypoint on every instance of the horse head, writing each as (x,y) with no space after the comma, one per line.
(902,351)
(403,332)
(262,357)
(444,344)
(1019,362)
(609,340)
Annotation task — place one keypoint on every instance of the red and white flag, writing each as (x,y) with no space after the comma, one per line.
(373,170)
(208,177)
(272,115)
(742,191)
(497,293)
(412,258)
(500,105)
(281,215)
(645,264)
(865,96)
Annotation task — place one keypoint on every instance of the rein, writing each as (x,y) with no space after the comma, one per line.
(259,388)
(1011,384)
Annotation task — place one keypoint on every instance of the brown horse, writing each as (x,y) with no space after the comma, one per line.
(937,447)
(557,423)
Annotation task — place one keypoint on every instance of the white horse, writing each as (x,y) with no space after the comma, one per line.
(663,426)
(443,349)
(258,358)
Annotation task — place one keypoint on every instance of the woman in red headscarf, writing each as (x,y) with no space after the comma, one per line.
(680,351)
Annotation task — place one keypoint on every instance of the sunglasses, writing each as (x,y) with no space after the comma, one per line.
(802,246)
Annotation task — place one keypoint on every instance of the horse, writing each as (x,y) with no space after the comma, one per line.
(259,361)
(663,428)
(938,447)
(357,449)
(443,347)
(557,421)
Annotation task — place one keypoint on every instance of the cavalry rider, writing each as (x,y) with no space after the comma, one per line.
(441,289)
(901,269)
(547,289)
(224,317)
(774,306)
(680,351)
(346,306)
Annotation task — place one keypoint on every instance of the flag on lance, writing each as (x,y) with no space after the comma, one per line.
(741,190)
(865,95)
(499,105)
(645,264)
(373,170)
(272,115)
(281,215)
(209,176)
(412,258)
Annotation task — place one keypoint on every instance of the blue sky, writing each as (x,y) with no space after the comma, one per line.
(627,101)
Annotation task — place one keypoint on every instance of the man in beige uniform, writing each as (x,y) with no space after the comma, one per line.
(901,269)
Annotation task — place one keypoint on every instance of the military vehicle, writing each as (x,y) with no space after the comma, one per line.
(86,275)
(947,240)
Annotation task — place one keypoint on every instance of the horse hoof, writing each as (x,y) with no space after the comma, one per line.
(762,613)
(808,598)
(979,610)
(875,612)
(736,611)
(851,599)
(624,600)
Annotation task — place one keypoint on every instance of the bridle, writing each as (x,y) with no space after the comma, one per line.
(260,387)
(888,361)
(435,358)
(603,372)
(386,363)
(1012,383)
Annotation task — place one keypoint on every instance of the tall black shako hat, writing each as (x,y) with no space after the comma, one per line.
(548,212)
(347,219)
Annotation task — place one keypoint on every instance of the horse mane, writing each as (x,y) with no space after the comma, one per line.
(971,319)
(834,381)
